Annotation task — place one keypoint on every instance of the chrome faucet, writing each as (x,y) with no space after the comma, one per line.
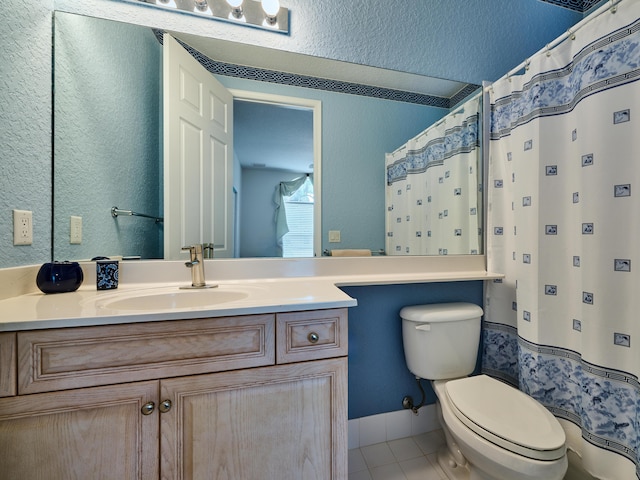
(196,264)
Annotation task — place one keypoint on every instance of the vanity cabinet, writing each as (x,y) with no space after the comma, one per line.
(250,397)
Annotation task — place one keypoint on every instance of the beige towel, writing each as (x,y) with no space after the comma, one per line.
(354,252)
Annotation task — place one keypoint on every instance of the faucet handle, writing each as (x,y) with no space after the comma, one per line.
(195,254)
(194,250)
(207,250)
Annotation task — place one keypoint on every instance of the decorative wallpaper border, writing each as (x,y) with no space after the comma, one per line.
(581,6)
(317,83)
(463,94)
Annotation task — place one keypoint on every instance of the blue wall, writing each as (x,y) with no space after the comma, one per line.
(378,375)
(107,140)
(257,226)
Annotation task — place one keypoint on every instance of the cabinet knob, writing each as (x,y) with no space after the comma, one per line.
(313,337)
(165,406)
(148,408)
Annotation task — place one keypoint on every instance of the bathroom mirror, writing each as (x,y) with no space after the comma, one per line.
(108,136)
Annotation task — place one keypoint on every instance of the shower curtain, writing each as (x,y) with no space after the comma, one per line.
(564,228)
(431,194)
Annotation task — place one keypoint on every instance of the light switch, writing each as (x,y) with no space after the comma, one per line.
(75,230)
(334,236)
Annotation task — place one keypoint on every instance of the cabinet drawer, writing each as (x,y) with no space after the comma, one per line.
(88,356)
(311,335)
(7,364)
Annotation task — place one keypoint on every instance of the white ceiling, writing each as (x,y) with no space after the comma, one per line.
(273,136)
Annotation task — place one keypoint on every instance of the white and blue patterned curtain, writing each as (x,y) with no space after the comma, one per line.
(432,188)
(564,228)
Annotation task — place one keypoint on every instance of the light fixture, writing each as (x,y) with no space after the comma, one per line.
(265,14)
(201,6)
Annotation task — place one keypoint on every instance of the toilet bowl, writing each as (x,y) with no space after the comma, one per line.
(493,431)
(503,433)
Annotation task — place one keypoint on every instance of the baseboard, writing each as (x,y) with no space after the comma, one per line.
(391,426)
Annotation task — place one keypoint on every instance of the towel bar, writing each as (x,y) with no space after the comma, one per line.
(115,211)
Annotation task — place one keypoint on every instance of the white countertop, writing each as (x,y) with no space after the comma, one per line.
(88,306)
(267,286)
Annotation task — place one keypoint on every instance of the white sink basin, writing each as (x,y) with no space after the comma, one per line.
(171,299)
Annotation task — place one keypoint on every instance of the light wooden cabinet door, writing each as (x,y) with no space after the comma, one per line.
(90,433)
(285,422)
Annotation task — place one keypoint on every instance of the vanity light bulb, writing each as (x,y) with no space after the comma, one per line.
(271,7)
(202,6)
(236,10)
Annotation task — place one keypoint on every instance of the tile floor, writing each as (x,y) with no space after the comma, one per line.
(410,458)
(414,458)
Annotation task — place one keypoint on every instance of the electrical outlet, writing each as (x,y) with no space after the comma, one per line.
(22,227)
(75,230)
(334,236)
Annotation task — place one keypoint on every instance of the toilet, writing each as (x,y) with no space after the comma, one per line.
(493,431)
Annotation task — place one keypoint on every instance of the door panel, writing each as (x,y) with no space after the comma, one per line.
(286,422)
(198,122)
(81,434)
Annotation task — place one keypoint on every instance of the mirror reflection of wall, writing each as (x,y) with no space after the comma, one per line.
(273,143)
(107,142)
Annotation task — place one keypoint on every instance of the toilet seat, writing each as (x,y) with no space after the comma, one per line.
(506,417)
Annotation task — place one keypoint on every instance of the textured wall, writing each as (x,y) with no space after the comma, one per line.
(25,127)
(107,142)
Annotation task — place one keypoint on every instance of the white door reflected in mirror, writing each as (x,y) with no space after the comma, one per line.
(198,156)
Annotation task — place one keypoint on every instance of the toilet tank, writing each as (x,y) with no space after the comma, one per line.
(441,340)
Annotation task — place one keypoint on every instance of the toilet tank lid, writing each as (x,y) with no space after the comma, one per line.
(441,312)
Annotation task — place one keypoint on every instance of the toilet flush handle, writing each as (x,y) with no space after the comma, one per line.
(425,327)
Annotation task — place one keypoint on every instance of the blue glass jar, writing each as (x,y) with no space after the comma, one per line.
(59,277)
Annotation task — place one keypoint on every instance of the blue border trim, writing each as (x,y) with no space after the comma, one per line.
(317,83)
(581,6)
